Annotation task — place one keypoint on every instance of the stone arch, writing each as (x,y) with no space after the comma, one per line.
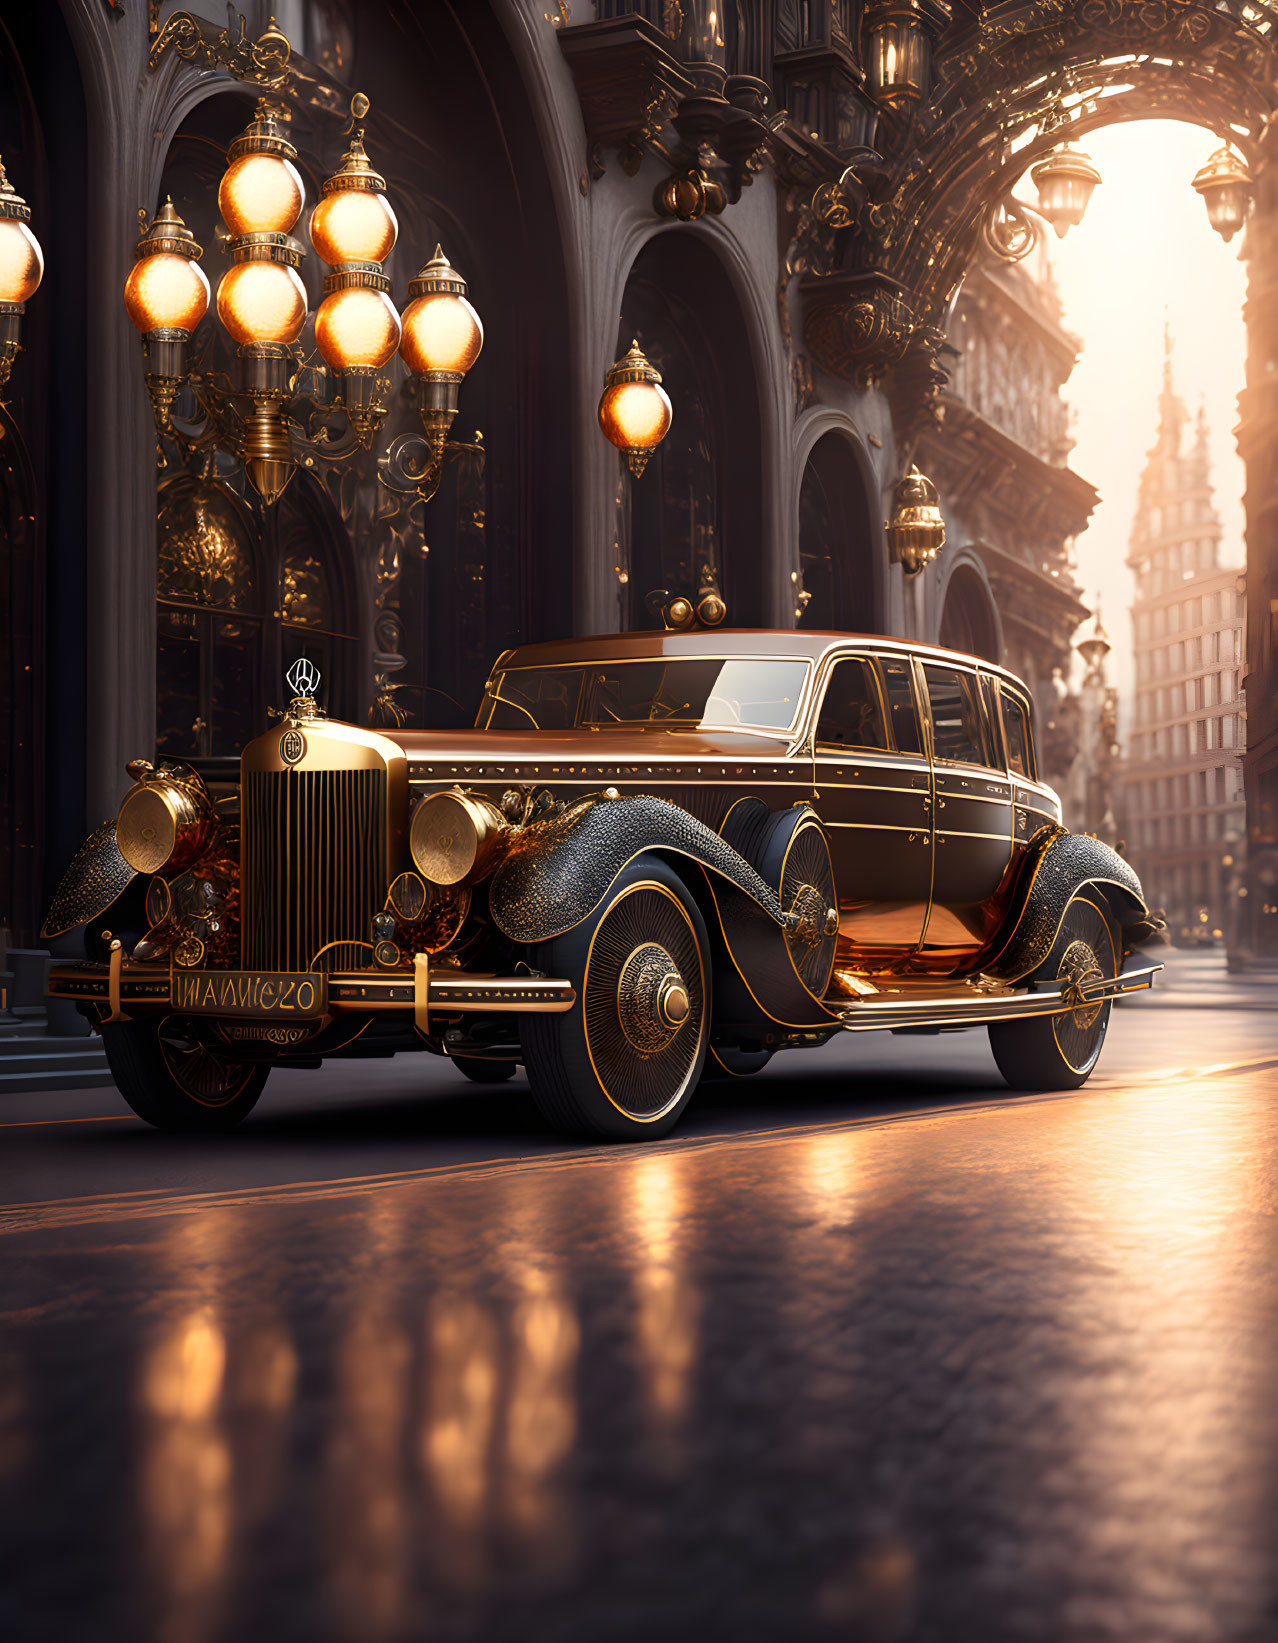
(703,500)
(840,535)
(969,615)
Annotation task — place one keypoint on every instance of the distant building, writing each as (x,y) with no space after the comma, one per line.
(1184,786)
(1012,504)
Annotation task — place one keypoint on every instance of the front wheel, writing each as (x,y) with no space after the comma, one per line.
(624,1061)
(1059,1052)
(176,1083)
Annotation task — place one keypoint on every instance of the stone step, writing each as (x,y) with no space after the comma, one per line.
(31,1082)
(39,1062)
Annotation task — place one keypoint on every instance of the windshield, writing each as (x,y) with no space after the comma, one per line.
(694,693)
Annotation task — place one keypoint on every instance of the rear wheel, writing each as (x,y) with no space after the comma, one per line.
(625,1060)
(176,1083)
(1059,1052)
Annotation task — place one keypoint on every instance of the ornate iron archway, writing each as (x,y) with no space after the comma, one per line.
(887,247)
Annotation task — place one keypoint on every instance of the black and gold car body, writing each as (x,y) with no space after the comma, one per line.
(656,856)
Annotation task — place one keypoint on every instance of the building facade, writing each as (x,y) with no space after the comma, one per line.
(597,174)
(1256,938)
(1013,505)
(1185,812)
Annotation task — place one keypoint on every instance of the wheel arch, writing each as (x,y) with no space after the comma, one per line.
(1059,865)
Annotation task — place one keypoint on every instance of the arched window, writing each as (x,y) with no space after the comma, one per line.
(837,549)
(967,619)
(700,500)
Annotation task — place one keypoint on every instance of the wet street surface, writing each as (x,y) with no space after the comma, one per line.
(869,1349)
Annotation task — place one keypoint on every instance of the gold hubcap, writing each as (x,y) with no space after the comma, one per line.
(673,1004)
(1080,969)
(652,1001)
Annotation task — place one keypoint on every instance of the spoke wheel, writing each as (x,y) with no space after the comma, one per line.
(175,1082)
(624,1062)
(807,887)
(1059,1052)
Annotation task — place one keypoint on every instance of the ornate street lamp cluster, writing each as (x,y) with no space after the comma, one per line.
(261,304)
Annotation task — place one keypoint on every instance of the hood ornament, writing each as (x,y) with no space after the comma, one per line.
(303,679)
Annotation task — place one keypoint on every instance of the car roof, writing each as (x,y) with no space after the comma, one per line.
(807,645)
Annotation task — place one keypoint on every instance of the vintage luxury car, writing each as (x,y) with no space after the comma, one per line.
(657,857)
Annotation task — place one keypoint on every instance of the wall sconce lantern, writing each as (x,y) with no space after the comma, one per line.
(916,530)
(166,296)
(442,339)
(21,270)
(635,411)
(1065,180)
(1225,185)
(898,49)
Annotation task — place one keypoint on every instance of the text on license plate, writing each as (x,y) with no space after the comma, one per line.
(260,993)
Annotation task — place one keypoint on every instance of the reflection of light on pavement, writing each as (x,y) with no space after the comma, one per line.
(872,1598)
(827,1175)
(667,1302)
(261,1377)
(461,1362)
(1163,1406)
(13,1409)
(541,1416)
(185,1477)
(365,1513)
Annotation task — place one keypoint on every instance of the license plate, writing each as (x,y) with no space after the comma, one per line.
(266,994)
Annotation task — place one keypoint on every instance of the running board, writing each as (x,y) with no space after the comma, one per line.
(879,1014)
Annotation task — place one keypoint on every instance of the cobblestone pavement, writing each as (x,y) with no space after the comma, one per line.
(915,1360)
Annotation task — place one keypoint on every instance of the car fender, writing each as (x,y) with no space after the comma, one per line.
(1059,865)
(97,876)
(557,873)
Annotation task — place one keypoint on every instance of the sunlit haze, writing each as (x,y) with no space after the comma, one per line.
(1145,253)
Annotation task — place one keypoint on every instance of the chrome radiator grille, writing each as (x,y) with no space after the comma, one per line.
(314,866)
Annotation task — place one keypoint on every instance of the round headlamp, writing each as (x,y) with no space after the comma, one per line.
(456,837)
(163,826)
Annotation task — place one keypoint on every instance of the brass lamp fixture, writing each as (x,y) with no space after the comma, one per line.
(267,418)
(166,296)
(357,328)
(442,339)
(916,530)
(898,49)
(21,270)
(1065,180)
(1225,185)
(635,411)
(261,301)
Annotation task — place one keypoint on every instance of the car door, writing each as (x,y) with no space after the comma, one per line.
(972,807)
(872,791)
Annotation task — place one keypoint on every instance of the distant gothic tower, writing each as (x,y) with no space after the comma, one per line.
(1183,788)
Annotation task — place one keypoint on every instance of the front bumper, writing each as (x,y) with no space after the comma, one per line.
(426,994)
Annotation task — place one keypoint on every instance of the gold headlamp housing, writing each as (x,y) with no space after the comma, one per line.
(166,822)
(457,838)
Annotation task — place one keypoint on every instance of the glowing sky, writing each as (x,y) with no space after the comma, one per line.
(1145,251)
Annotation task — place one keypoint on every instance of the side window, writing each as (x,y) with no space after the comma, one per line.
(898,688)
(958,725)
(1020,745)
(851,714)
